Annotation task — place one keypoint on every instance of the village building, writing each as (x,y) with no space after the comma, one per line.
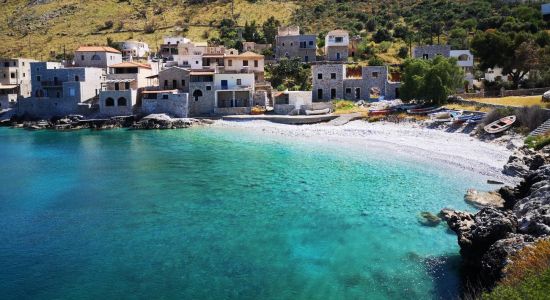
(337,45)
(170,45)
(59,91)
(122,87)
(96,57)
(15,81)
(255,47)
(172,102)
(289,43)
(336,81)
(353,48)
(247,62)
(234,93)
(431,51)
(134,50)
(292,102)
(190,55)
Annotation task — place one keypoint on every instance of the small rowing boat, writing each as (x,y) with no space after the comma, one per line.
(317,112)
(424,111)
(500,125)
(379,112)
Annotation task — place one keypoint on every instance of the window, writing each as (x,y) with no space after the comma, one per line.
(332,75)
(425,56)
(57,94)
(109,102)
(208,88)
(311,43)
(339,39)
(338,55)
(245,63)
(38,78)
(117,87)
(230,63)
(348,90)
(374,74)
(332,93)
(320,76)
(239,82)
(165,96)
(165,84)
(357,93)
(6,64)
(12,75)
(283,44)
(126,85)
(24,75)
(306,58)
(255,64)
(182,83)
(81,57)
(319,94)
(23,63)
(121,101)
(96,57)
(174,84)
(72,92)
(76,78)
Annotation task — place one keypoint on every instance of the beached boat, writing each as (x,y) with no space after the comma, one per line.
(424,111)
(500,125)
(317,112)
(379,112)
(445,116)
(470,118)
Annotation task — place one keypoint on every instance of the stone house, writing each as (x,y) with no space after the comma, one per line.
(335,81)
(170,45)
(201,92)
(96,57)
(171,102)
(337,45)
(255,47)
(58,91)
(134,50)
(431,51)
(15,81)
(290,43)
(122,88)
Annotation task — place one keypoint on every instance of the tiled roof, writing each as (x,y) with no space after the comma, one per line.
(97,49)
(130,64)
(338,31)
(248,54)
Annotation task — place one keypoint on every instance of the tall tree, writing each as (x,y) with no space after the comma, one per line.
(270,29)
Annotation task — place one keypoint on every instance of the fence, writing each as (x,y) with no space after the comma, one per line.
(504,93)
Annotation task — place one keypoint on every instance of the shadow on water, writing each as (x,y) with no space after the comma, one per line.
(446,275)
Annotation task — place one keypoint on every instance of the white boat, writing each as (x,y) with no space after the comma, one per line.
(500,125)
(317,112)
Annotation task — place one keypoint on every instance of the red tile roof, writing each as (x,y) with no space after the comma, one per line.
(130,64)
(96,49)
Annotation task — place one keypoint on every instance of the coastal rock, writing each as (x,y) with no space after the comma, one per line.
(523,160)
(498,256)
(533,210)
(484,199)
(163,121)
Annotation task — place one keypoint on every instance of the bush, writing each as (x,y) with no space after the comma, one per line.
(403,52)
(537,142)
(531,117)
(149,28)
(528,276)
(343,105)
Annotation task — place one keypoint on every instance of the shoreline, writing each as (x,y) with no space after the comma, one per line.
(405,140)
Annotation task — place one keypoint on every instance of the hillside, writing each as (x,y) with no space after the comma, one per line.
(43,28)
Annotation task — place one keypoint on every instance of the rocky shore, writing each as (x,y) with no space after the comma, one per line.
(489,238)
(76,122)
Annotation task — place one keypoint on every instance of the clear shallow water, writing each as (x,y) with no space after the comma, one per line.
(218,214)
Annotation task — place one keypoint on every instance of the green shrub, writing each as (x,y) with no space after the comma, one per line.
(537,142)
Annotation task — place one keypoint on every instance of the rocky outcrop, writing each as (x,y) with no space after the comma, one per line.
(489,238)
(162,121)
(484,199)
(524,160)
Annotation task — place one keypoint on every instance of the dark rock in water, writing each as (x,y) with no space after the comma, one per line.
(429,219)
(163,121)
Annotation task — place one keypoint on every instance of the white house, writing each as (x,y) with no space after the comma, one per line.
(15,80)
(337,45)
(233,93)
(465,60)
(291,102)
(134,49)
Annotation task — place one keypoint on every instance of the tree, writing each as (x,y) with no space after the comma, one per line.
(516,54)
(290,73)
(382,35)
(270,29)
(431,80)
(375,61)
(250,32)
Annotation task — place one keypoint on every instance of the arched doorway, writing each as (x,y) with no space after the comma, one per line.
(109,102)
(197,94)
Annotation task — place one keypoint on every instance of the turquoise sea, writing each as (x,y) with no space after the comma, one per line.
(211,213)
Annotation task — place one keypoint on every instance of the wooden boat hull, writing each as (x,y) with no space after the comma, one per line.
(381,112)
(317,112)
(500,125)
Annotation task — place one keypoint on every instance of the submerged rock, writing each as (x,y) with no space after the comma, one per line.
(163,121)
(483,199)
(429,219)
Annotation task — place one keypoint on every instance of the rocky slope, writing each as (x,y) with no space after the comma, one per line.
(489,238)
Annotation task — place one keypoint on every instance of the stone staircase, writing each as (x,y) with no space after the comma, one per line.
(542,129)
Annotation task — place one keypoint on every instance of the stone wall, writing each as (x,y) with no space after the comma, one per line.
(291,45)
(204,105)
(176,105)
(45,107)
(332,53)
(117,110)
